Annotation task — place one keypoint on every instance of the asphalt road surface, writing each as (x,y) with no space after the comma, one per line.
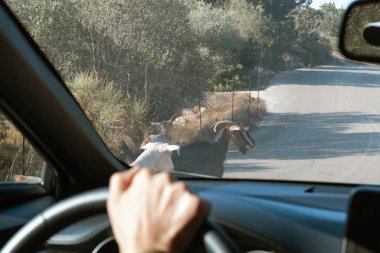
(323,124)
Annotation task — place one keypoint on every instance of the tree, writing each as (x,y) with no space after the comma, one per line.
(310,47)
(279,9)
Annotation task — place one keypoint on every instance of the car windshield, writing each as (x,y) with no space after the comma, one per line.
(248,89)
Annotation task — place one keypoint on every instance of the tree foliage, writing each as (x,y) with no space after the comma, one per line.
(163,52)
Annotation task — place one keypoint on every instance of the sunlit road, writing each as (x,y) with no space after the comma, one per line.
(323,124)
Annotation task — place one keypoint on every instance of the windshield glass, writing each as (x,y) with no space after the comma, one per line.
(249,89)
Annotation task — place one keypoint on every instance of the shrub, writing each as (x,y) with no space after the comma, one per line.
(230,78)
(113,114)
(14,159)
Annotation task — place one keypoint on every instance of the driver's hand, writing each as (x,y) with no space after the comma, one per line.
(151,212)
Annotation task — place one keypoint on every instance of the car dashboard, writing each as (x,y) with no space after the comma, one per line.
(257,215)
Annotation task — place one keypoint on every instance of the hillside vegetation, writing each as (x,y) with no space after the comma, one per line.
(131,62)
(155,49)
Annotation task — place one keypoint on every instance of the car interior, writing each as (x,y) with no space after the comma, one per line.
(66,213)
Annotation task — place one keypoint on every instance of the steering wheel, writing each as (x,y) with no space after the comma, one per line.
(37,231)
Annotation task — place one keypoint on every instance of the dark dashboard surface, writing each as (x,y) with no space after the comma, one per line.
(298,217)
(272,216)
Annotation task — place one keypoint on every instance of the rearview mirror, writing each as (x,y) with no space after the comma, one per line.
(360,33)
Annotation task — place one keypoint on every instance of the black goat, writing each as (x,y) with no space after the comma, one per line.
(208,157)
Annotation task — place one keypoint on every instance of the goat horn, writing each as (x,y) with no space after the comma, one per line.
(216,124)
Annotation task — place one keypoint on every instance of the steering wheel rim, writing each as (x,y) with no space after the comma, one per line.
(38,230)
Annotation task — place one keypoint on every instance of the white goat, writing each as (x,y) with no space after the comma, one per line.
(165,126)
(158,138)
(154,138)
(156,156)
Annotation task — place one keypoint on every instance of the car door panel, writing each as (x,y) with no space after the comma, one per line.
(20,203)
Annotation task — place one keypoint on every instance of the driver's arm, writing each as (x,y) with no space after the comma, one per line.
(153,213)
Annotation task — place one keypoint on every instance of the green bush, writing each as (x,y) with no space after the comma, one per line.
(229,79)
(113,114)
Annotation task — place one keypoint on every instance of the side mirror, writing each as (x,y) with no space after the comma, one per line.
(360,34)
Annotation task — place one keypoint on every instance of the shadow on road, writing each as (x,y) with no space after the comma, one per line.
(285,136)
(298,138)
(359,76)
(231,166)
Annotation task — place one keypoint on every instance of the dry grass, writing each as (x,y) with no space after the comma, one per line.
(117,118)
(14,160)
(216,107)
(114,116)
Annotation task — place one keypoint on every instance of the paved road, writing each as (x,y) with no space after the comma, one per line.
(323,124)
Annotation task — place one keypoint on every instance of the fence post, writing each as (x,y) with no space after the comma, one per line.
(199,105)
(249,101)
(258,90)
(233,98)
